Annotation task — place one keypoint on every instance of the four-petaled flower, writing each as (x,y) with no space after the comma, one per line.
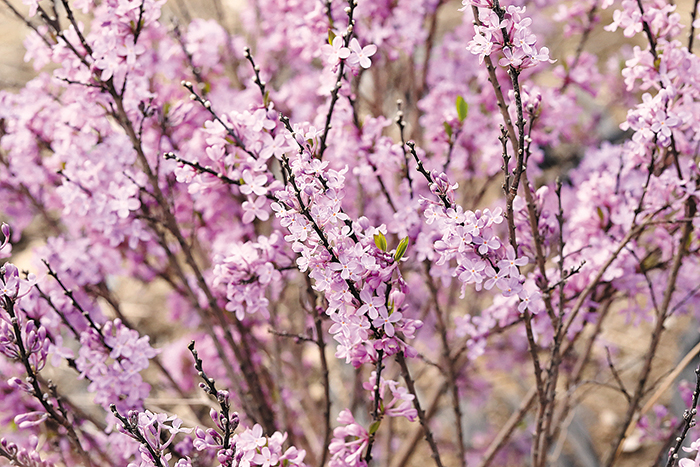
(387,321)
(361,55)
(253,183)
(253,209)
(510,264)
(335,51)
(265,458)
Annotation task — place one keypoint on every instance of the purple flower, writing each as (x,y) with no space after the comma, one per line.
(30,419)
(495,278)
(124,200)
(253,209)
(372,305)
(526,300)
(265,458)
(348,451)
(509,265)
(347,267)
(6,234)
(663,123)
(387,321)
(274,147)
(510,287)
(513,57)
(361,55)
(471,271)
(335,51)
(253,183)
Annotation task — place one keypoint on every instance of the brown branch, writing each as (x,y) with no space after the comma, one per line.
(449,363)
(632,415)
(401,359)
(412,440)
(691,34)
(328,431)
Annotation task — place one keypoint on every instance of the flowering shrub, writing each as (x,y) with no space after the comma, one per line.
(323,179)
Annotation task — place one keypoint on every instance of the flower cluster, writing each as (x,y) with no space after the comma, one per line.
(349,442)
(249,271)
(506,31)
(346,264)
(400,404)
(259,178)
(154,432)
(252,448)
(111,359)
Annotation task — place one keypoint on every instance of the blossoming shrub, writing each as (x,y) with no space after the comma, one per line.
(347,205)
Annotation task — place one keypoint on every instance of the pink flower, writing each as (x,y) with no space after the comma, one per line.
(541,56)
(663,123)
(6,235)
(123,202)
(481,45)
(526,300)
(129,51)
(509,265)
(690,463)
(347,268)
(108,63)
(265,458)
(470,271)
(488,241)
(495,278)
(387,321)
(273,147)
(524,39)
(361,55)
(253,183)
(30,419)
(253,209)
(33,6)
(335,51)
(513,58)
(372,305)
(349,452)
(251,439)
(510,287)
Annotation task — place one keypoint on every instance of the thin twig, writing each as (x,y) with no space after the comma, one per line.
(688,422)
(632,415)
(401,359)
(616,375)
(449,364)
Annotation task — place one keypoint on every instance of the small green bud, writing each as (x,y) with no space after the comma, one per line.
(401,249)
(448,129)
(462,109)
(380,241)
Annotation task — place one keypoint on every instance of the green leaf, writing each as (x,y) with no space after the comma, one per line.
(374,427)
(266,99)
(601,214)
(331,36)
(651,261)
(380,241)
(462,109)
(401,249)
(448,129)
